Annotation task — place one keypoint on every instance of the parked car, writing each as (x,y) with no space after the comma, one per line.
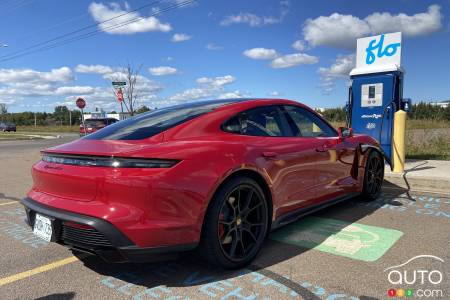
(7,127)
(92,125)
(212,175)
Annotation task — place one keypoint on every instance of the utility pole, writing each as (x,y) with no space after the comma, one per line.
(35,119)
(70,117)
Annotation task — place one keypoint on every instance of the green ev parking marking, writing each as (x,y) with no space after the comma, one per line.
(353,240)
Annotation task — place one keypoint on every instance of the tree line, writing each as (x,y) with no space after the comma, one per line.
(63,116)
(60,116)
(419,111)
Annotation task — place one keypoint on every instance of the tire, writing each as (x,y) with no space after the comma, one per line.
(235,224)
(373,176)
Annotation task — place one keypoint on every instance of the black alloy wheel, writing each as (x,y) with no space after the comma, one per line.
(241,222)
(374,175)
(236,224)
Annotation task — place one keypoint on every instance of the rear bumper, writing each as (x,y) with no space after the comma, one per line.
(99,236)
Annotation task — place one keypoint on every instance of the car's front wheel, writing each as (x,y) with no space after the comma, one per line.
(373,176)
(235,224)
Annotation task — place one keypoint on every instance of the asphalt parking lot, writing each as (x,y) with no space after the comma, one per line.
(344,252)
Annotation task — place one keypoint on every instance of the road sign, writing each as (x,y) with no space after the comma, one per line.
(119,95)
(119,83)
(80,103)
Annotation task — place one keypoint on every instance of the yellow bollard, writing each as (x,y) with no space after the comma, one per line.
(398,143)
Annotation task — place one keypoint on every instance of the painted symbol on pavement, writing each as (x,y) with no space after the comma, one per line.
(354,240)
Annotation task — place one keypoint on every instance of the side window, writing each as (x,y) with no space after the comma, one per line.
(306,124)
(261,121)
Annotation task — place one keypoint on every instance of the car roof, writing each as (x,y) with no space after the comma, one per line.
(220,102)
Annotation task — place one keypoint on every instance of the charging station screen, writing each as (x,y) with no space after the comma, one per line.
(371,95)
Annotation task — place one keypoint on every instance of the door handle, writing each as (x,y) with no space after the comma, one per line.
(268,154)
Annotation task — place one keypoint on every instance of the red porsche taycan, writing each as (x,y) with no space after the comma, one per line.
(213,175)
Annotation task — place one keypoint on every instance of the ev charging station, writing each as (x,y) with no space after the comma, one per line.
(376,92)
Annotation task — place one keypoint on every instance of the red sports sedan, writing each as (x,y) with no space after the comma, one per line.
(213,175)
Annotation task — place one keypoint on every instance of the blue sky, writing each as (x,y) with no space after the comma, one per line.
(301,50)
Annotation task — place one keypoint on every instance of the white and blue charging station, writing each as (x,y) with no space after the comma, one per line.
(376,90)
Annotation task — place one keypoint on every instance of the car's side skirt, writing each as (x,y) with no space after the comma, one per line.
(297,214)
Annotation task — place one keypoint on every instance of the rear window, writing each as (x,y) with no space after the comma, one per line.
(151,123)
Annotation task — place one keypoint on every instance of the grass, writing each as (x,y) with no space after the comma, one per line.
(47,129)
(428,145)
(426,124)
(425,139)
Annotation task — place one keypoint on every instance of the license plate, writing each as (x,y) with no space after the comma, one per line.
(43,227)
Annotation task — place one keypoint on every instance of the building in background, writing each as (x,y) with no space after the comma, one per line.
(443,104)
(103,115)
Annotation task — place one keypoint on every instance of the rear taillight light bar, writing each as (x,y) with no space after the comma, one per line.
(107,161)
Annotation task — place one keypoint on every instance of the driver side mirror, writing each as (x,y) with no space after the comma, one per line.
(345,133)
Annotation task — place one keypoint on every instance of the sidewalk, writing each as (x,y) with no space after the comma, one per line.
(421,175)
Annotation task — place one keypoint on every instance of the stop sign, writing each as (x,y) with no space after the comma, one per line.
(119,95)
(80,103)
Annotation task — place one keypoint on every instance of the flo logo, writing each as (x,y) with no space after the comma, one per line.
(377,47)
(420,276)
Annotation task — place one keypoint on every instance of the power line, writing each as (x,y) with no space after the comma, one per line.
(93,33)
(80,29)
(10,7)
(51,27)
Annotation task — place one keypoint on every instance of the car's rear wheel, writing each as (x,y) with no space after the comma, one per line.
(235,224)
(373,176)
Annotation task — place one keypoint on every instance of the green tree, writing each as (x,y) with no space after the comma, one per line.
(447,113)
(3,109)
(61,114)
(142,109)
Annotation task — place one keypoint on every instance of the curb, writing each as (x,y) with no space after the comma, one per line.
(416,183)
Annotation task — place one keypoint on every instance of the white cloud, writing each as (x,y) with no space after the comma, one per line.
(163,70)
(415,25)
(25,88)
(342,31)
(74,90)
(292,60)
(339,69)
(13,76)
(299,45)
(233,94)
(246,18)
(261,53)
(180,37)
(193,94)
(212,46)
(208,87)
(274,94)
(127,24)
(335,31)
(94,69)
(217,81)
(254,20)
